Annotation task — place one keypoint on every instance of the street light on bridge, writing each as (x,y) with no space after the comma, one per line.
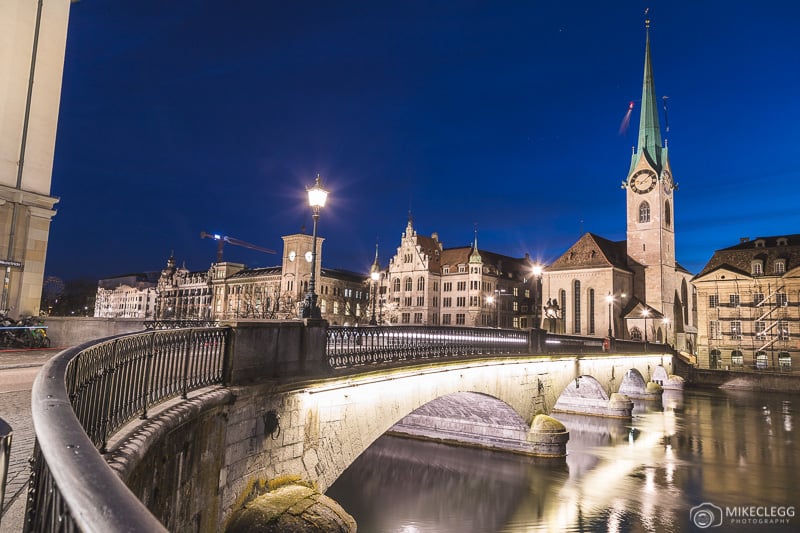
(645,314)
(610,301)
(375,275)
(316,199)
(537,299)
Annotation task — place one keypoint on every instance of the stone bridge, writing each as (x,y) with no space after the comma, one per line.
(286,415)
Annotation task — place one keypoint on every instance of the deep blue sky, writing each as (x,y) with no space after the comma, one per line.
(187,116)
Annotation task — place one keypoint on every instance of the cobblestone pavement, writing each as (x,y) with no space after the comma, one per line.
(15,409)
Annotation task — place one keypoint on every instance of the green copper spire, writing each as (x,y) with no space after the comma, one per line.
(649,129)
(475,256)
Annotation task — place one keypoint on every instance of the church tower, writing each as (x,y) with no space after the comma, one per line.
(649,190)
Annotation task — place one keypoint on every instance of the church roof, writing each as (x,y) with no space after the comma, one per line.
(766,249)
(649,128)
(592,251)
(256,272)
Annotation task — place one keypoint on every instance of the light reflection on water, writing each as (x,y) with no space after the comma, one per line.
(644,474)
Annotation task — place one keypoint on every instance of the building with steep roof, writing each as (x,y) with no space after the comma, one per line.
(749,304)
(427,284)
(631,289)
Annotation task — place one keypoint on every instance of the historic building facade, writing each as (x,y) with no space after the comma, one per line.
(749,305)
(230,290)
(131,296)
(632,289)
(427,284)
(31,64)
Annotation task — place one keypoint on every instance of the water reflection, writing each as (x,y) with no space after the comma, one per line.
(645,474)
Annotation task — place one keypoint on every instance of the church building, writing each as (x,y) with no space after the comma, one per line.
(632,289)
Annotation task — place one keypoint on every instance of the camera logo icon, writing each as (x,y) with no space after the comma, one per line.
(706,515)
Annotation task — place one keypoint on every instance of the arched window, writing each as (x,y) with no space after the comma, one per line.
(667,214)
(409,284)
(644,212)
(576,321)
(421,284)
(715,358)
(685,301)
(563,297)
(396,285)
(591,312)
(636,333)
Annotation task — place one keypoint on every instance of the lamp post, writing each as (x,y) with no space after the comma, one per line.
(316,199)
(375,275)
(665,321)
(491,300)
(610,300)
(537,299)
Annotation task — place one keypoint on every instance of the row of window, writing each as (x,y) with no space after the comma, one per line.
(761,329)
(781,300)
(737,359)
(757,267)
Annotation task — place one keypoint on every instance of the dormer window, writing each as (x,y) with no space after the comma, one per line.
(780,266)
(446,270)
(783,241)
(757,268)
(462,268)
(759,243)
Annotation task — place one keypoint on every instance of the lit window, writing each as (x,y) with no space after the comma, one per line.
(736,329)
(713,300)
(780,266)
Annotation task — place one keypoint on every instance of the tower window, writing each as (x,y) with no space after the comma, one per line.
(667,214)
(644,212)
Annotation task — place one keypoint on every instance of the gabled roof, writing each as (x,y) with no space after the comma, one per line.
(635,311)
(592,251)
(502,264)
(766,249)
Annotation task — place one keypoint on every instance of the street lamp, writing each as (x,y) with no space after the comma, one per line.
(665,321)
(610,300)
(537,299)
(375,275)
(316,199)
(490,300)
(645,314)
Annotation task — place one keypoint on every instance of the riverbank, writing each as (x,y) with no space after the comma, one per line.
(752,380)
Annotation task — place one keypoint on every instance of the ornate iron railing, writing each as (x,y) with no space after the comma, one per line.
(85,394)
(169,323)
(5,453)
(353,346)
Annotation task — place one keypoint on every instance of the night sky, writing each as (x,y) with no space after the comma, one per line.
(187,116)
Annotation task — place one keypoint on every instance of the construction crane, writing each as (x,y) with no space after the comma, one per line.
(222,239)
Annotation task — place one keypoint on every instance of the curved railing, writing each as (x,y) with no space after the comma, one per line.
(5,453)
(85,394)
(349,346)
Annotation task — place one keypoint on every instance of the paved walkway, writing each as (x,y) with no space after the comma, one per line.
(15,409)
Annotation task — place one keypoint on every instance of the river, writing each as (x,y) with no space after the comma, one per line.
(698,460)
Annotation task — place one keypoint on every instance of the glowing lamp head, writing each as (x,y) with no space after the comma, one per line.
(490,299)
(537,270)
(317,195)
(646,313)
(375,275)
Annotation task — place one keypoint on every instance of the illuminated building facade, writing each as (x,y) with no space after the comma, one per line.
(749,305)
(230,290)
(31,64)
(427,284)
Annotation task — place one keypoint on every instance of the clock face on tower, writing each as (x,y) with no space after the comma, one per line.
(643,181)
(292,255)
(309,256)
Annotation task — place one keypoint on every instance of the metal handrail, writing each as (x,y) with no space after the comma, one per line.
(349,346)
(85,394)
(5,454)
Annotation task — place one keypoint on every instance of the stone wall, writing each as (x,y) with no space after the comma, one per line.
(65,332)
(756,381)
